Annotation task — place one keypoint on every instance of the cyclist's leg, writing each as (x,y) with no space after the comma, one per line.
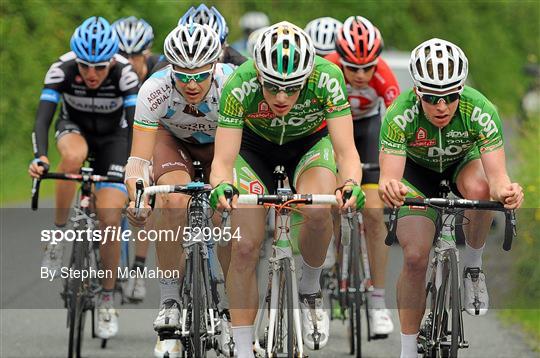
(415,232)
(366,135)
(315,173)
(253,176)
(172,164)
(73,150)
(472,183)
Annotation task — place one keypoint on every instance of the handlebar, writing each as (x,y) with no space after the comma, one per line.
(440,203)
(91,178)
(189,188)
(314,199)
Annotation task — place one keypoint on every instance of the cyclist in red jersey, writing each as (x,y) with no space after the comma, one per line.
(368,77)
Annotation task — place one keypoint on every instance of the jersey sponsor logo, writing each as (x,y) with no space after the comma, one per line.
(306,104)
(491,147)
(338,108)
(55,74)
(158,97)
(263,106)
(485,120)
(450,150)
(391,93)
(263,115)
(457,134)
(245,89)
(421,134)
(407,117)
(295,121)
(333,86)
(92,104)
(422,140)
(256,187)
(78,79)
(129,79)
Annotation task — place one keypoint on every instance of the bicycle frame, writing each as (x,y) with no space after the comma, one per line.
(281,255)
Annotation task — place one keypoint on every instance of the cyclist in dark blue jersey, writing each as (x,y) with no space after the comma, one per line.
(97,89)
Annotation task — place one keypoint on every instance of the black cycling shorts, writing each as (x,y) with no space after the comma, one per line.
(263,156)
(366,140)
(109,152)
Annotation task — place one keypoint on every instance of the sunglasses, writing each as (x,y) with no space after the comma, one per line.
(355,68)
(447,98)
(197,77)
(100,66)
(274,89)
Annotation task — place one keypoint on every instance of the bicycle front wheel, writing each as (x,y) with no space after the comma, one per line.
(454,305)
(197,344)
(357,294)
(74,296)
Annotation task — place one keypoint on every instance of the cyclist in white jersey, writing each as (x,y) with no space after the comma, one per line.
(175,123)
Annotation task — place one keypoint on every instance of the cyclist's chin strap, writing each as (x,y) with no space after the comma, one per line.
(138,168)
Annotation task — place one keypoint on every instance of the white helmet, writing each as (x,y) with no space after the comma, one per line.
(438,65)
(284,54)
(252,40)
(134,35)
(323,33)
(192,46)
(253,20)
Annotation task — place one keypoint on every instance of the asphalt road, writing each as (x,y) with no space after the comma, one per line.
(33,321)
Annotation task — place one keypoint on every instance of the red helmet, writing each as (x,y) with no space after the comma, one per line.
(358,41)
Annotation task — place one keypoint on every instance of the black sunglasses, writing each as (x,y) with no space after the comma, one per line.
(447,98)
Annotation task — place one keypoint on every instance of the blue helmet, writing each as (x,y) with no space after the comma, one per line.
(95,40)
(134,35)
(205,16)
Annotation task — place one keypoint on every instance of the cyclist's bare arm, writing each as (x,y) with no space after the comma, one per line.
(142,147)
(227,147)
(347,158)
(500,186)
(391,189)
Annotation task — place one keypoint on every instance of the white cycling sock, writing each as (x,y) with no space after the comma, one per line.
(408,346)
(376,298)
(243,338)
(170,289)
(472,257)
(310,280)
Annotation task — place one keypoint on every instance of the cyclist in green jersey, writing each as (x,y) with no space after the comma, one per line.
(286,107)
(441,129)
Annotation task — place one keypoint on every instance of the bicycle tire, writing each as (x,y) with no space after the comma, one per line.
(75,304)
(357,294)
(291,334)
(454,305)
(196,294)
(440,316)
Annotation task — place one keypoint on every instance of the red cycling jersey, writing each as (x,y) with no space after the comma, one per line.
(365,101)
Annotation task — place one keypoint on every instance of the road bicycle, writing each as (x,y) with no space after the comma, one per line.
(281,331)
(79,294)
(442,333)
(200,319)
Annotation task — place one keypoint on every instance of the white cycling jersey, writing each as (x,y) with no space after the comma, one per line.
(159,102)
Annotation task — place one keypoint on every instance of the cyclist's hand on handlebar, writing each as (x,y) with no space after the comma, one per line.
(393,193)
(138,220)
(357,200)
(511,196)
(218,197)
(37,167)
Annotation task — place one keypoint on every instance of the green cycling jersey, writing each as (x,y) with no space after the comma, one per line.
(323,97)
(475,127)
